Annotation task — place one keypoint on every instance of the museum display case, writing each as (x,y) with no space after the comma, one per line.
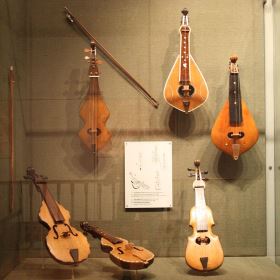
(95,92)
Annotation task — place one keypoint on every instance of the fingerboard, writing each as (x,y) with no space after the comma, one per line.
(184,55)
(235,106)
(201,213)
(95,231)
(50,202)
(93,87)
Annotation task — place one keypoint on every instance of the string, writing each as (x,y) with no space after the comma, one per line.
(184,57)
(201,219)
(235,103)
(94,136)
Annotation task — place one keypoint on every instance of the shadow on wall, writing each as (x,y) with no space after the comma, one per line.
(248,167)
(195,123)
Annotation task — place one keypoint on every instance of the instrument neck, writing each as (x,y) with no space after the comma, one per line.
(199,198)
(99,233)
(93,85)
(51,203)
(201,213)
(184,72)
(235,106)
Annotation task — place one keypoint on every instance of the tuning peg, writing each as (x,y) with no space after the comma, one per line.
(191,174)
(191,169)
(87,57)
(204,172)
(87,50)
(184,11)
(98,61)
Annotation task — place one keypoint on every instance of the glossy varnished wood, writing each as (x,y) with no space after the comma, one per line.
(128,255)
(122,252)
(197,80)
(222,127)
(212,251)
(95,118)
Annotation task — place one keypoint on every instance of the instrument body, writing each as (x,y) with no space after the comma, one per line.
(234,131)
(204,251)
(94,111)
(122,252)
(185,88)
(66,244)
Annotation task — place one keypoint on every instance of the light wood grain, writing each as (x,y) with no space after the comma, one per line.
(60,247)
(212,251)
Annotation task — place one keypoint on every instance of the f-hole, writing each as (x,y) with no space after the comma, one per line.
(121,252)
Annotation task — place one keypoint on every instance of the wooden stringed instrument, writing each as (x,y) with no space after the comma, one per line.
(185,88)
(94,111)
(11,78)
(65,244)
(122,252)
(234,131)
(204,251)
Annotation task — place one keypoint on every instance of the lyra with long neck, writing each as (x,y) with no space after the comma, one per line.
(63,241)
(94,111)
(96,232)
(235,107)
(185,88)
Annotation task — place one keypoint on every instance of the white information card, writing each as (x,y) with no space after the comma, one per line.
(148,174)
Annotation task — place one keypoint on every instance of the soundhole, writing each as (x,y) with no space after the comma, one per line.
(93,131)
(186,90)
(200,240)
(238,135)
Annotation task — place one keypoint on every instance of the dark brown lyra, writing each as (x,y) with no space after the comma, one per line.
(94,111)
(234,131)
(123,253)
(65,244)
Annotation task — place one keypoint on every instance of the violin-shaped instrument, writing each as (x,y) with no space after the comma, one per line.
(185,88)
(122,252)
(234,131)
(65,244)
(94,111)
(204,251)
